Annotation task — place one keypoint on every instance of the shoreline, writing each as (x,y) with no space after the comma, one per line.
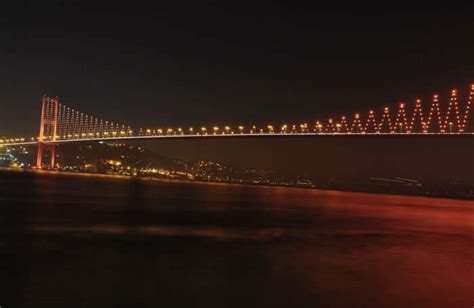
(151,179)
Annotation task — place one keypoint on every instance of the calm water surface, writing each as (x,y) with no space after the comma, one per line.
(85,241)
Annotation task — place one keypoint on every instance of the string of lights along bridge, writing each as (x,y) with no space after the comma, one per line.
(60,124)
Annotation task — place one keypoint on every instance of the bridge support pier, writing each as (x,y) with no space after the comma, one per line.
(46,147)
(48,131)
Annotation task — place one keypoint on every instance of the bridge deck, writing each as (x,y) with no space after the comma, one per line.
(244,135)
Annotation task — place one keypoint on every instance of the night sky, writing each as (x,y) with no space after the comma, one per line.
(148,64)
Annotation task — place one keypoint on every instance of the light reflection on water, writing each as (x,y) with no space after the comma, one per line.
(98,241)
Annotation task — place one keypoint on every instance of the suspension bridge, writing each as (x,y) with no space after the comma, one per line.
(60,123)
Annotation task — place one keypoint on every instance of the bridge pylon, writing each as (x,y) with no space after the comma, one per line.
(48,131)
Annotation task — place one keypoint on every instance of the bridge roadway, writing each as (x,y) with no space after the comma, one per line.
(243,135)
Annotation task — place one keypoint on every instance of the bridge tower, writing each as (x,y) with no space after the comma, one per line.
(48,130)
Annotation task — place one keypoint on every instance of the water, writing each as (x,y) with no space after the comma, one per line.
(87,241)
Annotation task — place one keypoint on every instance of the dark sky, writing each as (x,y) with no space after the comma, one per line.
(149,64)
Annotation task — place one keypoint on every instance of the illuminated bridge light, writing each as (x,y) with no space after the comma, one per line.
(371,124)
(356,124)
(385,119)
(401,120)
(344,126)
(330,128)
(417,111)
